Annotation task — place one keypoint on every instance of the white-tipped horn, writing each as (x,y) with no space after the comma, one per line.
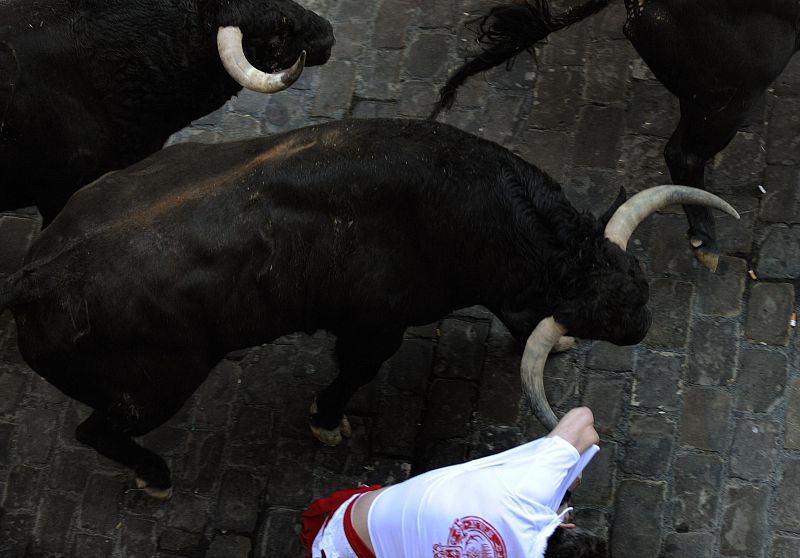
(539,345)
(630,214)
(231,52)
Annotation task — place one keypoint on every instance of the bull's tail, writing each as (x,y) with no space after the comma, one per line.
(509,30)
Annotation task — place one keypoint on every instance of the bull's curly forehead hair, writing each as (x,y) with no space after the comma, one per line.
(576,543)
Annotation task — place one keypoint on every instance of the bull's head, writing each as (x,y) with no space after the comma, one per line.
(271,35)
(605,296)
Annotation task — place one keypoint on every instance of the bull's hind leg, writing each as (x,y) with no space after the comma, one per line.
(700,135)
(113,440)
(149,388)
(359,356)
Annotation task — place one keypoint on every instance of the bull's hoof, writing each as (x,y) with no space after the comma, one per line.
(159,493)
(565,343)
(709,257)
(332,437)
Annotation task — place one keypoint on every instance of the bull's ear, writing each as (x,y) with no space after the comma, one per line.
(621,197)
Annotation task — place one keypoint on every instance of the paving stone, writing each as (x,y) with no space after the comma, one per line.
(785,547)
(137,536)
(567,47)
(783,142)
(688,545)
(560,382)
(556,82)
(238,505)
(670,303)
(641,163)
(216,393)
(167,441)
(277,535)
(391,24)
(17,233)
(720,293)
(634,533)
(180,542)
(779,252)
(754,450)
(657,380)
(384,68)
(93,545)
(6,431)
(705,418)
(606,398)
(188,512)
(667,249)
(592,190)
(792,418)
(416,99)
(597,484)
(714,349)
(254,424)
(744,529)
(450,409)
(35,435)
(335,90)
(100,506)
(608,71)
(461,349)
(427,56)
(788,497)
(229,546)
(780,203)
(366,108)
(652,110)
(768,313)
(501,110)
(22,490)
(736,235)
(649,446)
(608,23)
(291,479)
(607,356)
(55,519)
(500,391)
(546,149)
(592,145)
(396,427)
(762,378)
(202,463)
(738,167)
(14,532)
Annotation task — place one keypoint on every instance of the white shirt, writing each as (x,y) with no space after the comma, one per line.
(501,506)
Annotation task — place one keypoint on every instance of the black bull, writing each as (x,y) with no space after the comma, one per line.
(150,275)
(89,86)
(716,56)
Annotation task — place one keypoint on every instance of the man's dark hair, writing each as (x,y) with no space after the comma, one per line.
(575,543)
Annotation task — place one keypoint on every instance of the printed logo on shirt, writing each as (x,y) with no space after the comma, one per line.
(471,537)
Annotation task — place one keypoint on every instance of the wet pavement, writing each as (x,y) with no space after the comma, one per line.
(700,423)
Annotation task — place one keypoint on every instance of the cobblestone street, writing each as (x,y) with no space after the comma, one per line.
(700,423)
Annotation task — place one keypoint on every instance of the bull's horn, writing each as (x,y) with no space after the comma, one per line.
(628,216)
(539,344)
(231,52)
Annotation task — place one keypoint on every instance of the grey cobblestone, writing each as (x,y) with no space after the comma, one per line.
(762,378)
(705,420)
(697,491)
(788,502)
(688,545)
(746,521)
(754,450)
(632,534)
(768,313)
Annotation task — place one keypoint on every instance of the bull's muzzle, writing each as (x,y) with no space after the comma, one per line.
(619,230)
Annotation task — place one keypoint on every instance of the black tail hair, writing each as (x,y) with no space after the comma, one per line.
(507,31)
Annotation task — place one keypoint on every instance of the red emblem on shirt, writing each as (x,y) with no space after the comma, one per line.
(471,537)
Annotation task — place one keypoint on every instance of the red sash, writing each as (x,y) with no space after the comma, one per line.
(318,512)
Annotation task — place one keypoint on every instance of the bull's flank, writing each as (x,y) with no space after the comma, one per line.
(152,274)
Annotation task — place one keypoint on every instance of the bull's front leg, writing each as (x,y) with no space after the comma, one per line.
(359,356)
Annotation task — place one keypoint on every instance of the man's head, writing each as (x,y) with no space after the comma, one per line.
(575,543)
